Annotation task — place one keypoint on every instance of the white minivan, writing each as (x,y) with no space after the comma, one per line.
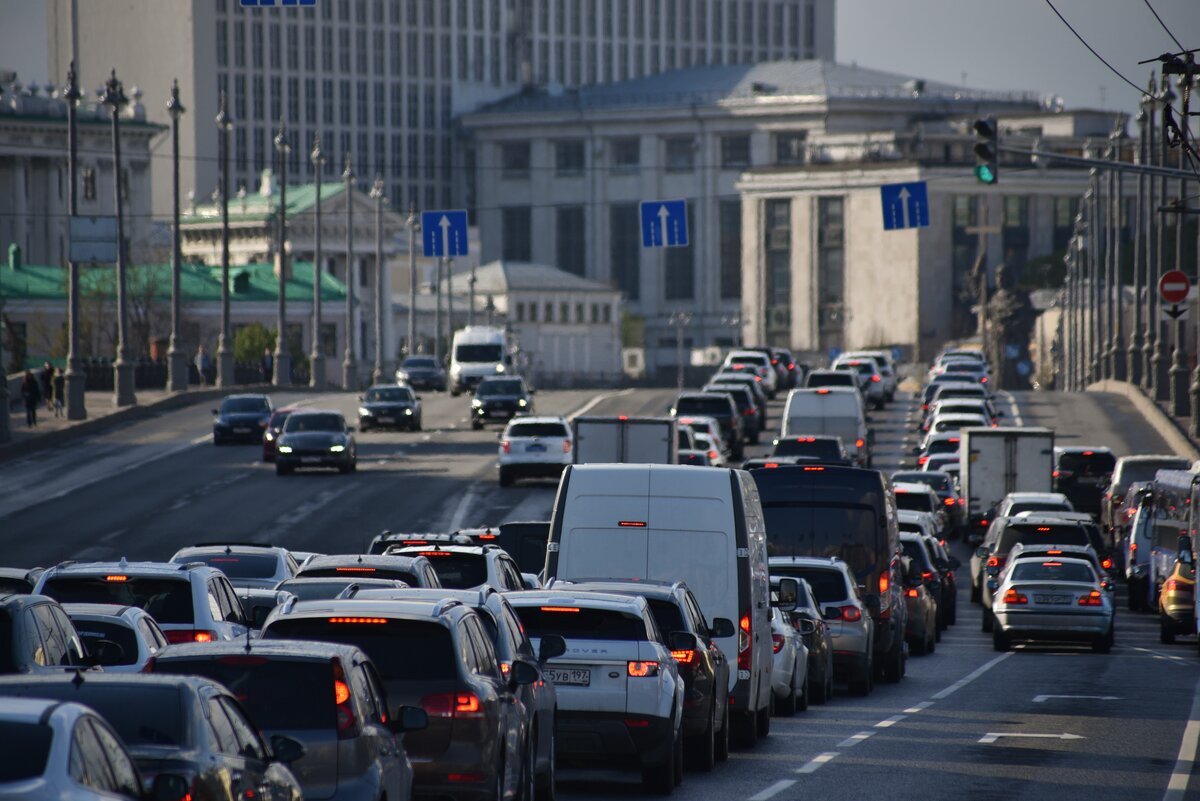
(835,411)
(700,525)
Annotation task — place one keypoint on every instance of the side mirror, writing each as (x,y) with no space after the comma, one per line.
(551,646)
(169,787)
(789,591)
(408,718)
(721,627)
(286,749)
(681,641)
(806,627)
(872,604)
(522,673)
(981,552)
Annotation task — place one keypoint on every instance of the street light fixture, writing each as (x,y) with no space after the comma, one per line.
(414,226)
(75,380)
(349,368)
(316,359)
(378,197)
(225,377)
(283,353)
(113,96)
(177,372)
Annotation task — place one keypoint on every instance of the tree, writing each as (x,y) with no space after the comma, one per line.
(250,341)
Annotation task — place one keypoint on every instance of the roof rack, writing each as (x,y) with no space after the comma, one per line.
(445,605)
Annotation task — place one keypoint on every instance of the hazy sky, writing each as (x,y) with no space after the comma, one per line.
(999,44)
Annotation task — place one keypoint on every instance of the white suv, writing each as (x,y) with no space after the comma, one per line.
(757,363)
(620,696)
(535,447)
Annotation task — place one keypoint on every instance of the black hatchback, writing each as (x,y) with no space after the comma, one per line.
(1083,474)
(498,400)
(241,418)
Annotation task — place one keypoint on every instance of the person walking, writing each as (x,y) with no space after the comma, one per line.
(46,379)
(31,394)
(268,366)
(202,364)
(59,386)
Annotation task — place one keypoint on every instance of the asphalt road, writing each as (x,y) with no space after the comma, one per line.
(966,722)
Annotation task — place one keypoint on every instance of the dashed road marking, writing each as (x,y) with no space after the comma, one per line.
(892,721)
(816,762)
(970,677)
(773,790)
(855,739)
(1177,786)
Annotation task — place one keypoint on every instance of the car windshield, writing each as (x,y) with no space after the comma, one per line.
(479,353)
(458,570)
(939,483)
(1052,570)
(238,565)
(389,395)
(916,501)
(713,406)
(244,405)
(829,586)
(503,386)
(830,380)
(419,363)
(167,600)
(741,396)
(942,446)
(92,631)
(581,623)
(403,650)
(536,430)
(314,422)
(800,528)
(808,446)
(277,693)
(1090,464)
(278,419)
(954,424)
(758,359)
(1131,472)
(1036,506)
(26,749)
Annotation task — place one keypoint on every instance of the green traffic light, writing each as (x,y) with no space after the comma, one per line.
(985,174)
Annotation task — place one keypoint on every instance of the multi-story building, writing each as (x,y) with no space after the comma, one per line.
(383,79)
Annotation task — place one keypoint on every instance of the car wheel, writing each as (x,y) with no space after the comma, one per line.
(702,749)
(454,393)
(860,685)
(1166,630)
(282,469)
(677,760)
(787,706)
(988,621)
(818,694)
(417,425)
(1104,643)
(476,425)
(1137,595)
(763,719)
(952,614)
(918,647)
(739,451)
(721,746)
(545,780)
(976,594)
(802,698)
(660,778)
(1000,640)
(745,729)
(931,642)
(506,477)
(893,666)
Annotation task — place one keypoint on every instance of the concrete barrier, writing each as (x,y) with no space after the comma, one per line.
(1166,426)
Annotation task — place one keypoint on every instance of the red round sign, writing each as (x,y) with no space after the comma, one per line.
(1173,287)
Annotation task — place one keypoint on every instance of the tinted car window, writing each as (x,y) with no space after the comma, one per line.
(239,565)
(1094,464)
(806,446)
(418,361)
(580,623)
(244,405)
(809,529)
(92,630)
(1052,571)
(914,551)
(479,353)
(313,422)
(1035,506)
(666,615)
(916,501)
(1041,535)
(502,386)
(166,600)
(26,749)
(368,572)
(459,571)
(141,715)
(537,430)
(14,585)
(713,407)
(828,585)
(938,483)
(389,395)
(831,379)
(413,650)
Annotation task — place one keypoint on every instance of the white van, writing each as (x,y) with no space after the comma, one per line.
(478,351)
(832,411)
(701,525)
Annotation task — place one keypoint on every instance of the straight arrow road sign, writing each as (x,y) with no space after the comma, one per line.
(993,736)
(1041,699)
(444,233)
(664,223)
(904,205)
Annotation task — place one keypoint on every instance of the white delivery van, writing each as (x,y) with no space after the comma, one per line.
(832,411)
(478,351)
(997,461)
(625,440)
(701,525)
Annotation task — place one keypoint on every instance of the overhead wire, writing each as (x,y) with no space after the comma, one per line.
(1164,25)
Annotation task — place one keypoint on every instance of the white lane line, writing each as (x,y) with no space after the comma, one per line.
(816,762)
(112,535)
(855,739)
(921,707)
(892,721)
(970,677)
(587,407)
(464,503)
(1186,760)
(1012,404)
(1161,655)
(775,789)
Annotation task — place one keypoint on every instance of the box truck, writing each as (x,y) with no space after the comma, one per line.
(625,440)
(996,461)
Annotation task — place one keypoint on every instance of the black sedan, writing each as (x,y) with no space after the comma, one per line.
(497,400)
(385,405)
(421,372)
(807,619)
(241,418)
(316,439)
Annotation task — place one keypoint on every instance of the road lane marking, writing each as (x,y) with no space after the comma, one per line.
(1041,699)
(773,790)
(970,677)
(1012,404)
(283,522)
(993,736)
(464,503)
(921,707)
(587,407)
(1160,655)
(112,535)
(1186,760)
(855,739)
(816,762)
(892,721)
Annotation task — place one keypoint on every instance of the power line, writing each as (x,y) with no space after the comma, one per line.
(1178,43)
(1092,50)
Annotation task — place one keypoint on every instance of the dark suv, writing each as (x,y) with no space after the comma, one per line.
(436,655)
(719,407)
(1082,474)
(413,570)
(499,399)
(753,417)
(36,636)
(817,450)
(349,736)
(241,418)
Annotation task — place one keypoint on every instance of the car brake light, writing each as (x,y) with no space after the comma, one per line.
(813,469)
(911,592)
(949,502)
(642,670)
(744,638)
(452,705)
(791,365)
(116,578)
(487,536)
(506,446)
(354,620)
(176,636)
(341,692)
(926,575)
(436,553)
(623,417)
(962,501)
(1093,598)
(712,455)
(858,443)
(633,723)
(993,561)
(1014,597)
(777,642)
(983,380)
(822,392)
(876,379)
(1171,585)
(684,657)
(922,459)
(347,723)
(566,446)
(1089,453)
(851,614)
(354,569)
(202,636)
(1107,563)
(632,524)
(774,361)
(574,609)
(884,582)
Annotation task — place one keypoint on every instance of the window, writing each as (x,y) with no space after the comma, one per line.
(626,154)
(259,91)
(735,150)
(1016,233)
(777,229)
(239,45)
(516,225)
(570,240)
(790,147)
(275,50)
(89,183)
(625,248)
(327,49)
(730,213)
(569,157)
(680,283)
(1065,209)
(222,44)
(514,159)
(310,49)
(680,154)
(831,280)
(256,45)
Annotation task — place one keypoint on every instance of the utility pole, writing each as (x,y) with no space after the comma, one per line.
(471,297)
(1095,231)
(225,367)
(316,359)
(349,368)
(177,366)
(123,368)
(413,226)
(1162,360)
(283,350)
(437,310)
(377,196)
(1134,354)
(1180,401)
(1151,328)
(981,230)
(449,302)
(75,380)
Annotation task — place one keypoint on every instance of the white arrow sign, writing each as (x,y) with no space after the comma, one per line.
(904,196)
(993,736)
(444,224)
(1041,699)
(663,216)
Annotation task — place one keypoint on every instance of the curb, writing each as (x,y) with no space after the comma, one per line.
(1166,427)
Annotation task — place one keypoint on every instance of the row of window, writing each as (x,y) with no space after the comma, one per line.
(529,312)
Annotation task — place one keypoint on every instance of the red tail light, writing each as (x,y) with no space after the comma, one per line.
(822,392)
(876,379)
(949,501)
(1133,548)
(1014,597)
(926,575)
(922,459)
(188,635)
(777,642)
(640,670)
(911,592)
(884,583)
(858,443)
(712,455)
(1171,585)
(791,365)
(744,638)
(851,614)
(685,657)
(506,446)
(347,723)
(750,412)
(452,705)
(993,561)
(1093,598)
(1107,563)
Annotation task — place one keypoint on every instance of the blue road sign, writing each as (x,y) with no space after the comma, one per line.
(444,233)
(905,206)
(664,224)
(281,2)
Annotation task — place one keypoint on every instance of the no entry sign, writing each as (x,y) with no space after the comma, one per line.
(1173,287)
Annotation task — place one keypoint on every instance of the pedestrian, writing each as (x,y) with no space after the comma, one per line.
(268,366)
(31,394)
(202,364)
(46,379)
(59,385)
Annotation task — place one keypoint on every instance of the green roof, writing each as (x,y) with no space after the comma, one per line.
(198,283)
(300,198)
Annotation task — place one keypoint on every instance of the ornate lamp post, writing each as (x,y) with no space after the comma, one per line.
(113,96)
(316,359)
(349,368)
(414,226)
(75,380)
(377,196)
(225,377)
(283,353)
(177,367)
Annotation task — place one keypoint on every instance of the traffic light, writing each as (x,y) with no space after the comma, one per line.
(987,150)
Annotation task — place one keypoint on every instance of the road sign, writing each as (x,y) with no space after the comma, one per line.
(1173,312)
(664,224)
(1174,286)
(444,233)
(905,206)
(93,240)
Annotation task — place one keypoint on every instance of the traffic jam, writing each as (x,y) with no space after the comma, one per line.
(700,575)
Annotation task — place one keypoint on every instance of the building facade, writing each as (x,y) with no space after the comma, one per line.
(383,79)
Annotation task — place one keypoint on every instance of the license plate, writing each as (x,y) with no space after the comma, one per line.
(310,460)
(1052,599)
(497,413)
(241,431)
(579,677)
(387,419)
(535,447)
(1088,481)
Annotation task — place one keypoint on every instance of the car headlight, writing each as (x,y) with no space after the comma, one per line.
(408,412)
(455,369)
(268,436)
(285,448)
(476,403)
(336,448)
(499,368)
(522,403)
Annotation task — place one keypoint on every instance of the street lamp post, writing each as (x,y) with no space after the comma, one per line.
(1134,354)
(113,96)
(316,358)
(1146,234)
(1180,404)
(349,368)
(1117,287)
(471,297)
(1162,359)
(225,376)
(75,380)
(679,320)
(437,310)
(177,366)
(377,196)
(414,225)
(1093,237)
(283,354)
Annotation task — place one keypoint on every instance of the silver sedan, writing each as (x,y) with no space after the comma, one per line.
(1056,599)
